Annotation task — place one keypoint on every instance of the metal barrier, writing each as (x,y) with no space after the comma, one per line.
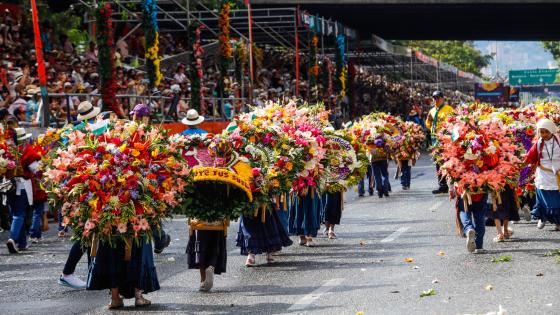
(166,109)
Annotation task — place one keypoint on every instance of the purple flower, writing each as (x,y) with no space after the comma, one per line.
(475,169)
(134,194)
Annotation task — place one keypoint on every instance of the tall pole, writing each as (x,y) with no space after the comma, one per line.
(249,16)
(296,92)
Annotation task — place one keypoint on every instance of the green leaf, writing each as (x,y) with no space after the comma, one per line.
(555,252)
(430,292)
(501,259)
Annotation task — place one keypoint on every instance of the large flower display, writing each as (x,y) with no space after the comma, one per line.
(119,184)
(411,142)
(380,133)
(222,187)
(478,158)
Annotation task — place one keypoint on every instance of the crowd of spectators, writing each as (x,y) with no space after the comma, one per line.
(72,77)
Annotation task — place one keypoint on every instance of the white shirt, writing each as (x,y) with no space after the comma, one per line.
(550,159)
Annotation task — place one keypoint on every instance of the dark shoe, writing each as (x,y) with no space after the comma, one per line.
(380,195)
(386,194)
(371,192)
(405,188)
(166,243)
(12,246)
(360,195)
(440,191)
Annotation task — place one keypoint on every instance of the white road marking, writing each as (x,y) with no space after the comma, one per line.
(436,205)
(395,234)
(316,294)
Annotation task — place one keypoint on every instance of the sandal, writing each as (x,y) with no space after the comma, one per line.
(141,302)
(499,238)
(302,241)
(310,243)
(116,304)
(269,258)
(332,236)
(250,262)
(61,234)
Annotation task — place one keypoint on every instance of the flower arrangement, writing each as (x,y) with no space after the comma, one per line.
(196,66)
(8,158)
(345,161)
(313,65)
(153,60)
(226,51)
(478,158)
(117,185)
(106,57)
(295,135)
(222,186)
(380,133)
(411,142)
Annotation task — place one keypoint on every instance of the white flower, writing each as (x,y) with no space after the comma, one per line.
(470,156)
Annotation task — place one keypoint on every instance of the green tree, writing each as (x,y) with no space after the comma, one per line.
(553,48)
(460,54)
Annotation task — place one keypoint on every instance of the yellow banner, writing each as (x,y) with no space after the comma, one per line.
(223,175)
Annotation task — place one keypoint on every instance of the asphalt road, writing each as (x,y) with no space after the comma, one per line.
(365,269)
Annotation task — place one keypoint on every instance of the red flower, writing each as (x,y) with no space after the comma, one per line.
(132,182)
(138,208)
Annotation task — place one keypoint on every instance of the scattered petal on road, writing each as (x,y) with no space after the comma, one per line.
(489,287)
(441,253)
(430,292)
(409,260)
(171,259)
(435,281)
(540,274)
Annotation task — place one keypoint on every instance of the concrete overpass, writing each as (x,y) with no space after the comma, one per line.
(440,19)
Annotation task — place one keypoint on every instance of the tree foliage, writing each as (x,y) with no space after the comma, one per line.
(553,48)
(460,54)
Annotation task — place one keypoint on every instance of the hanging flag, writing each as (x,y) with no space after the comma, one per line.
(38,46)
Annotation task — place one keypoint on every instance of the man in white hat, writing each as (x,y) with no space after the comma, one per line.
(192,121)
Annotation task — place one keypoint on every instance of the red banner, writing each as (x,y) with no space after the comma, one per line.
(38,46)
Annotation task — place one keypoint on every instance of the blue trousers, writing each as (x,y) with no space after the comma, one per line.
(361,184)
(19,206)
(381,175)
(474,219)
(36,226)
(405,173)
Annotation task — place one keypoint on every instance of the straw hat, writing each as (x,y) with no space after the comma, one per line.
(87,111)
(192,118)
(21,134)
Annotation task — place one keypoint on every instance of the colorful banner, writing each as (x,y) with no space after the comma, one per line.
(514,94)
(491,92)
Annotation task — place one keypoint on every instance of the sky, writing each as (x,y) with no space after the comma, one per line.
(515,56)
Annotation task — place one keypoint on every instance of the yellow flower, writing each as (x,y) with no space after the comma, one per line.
(275,183)
(285,147)
(121,179)
(136,163)
(122,147)
(170,161)
(272,173)
(155,153)
(135,153)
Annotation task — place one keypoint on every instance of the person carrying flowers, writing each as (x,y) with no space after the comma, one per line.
(435,120)
(545,156)
(22,200)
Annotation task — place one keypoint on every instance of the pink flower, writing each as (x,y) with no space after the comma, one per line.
(144,225)
(256,171)
(122,228)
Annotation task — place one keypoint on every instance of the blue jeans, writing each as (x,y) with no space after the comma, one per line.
(36,226)
(405,173)
(361,188)
(381,174)
(18,232)
(474,219)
